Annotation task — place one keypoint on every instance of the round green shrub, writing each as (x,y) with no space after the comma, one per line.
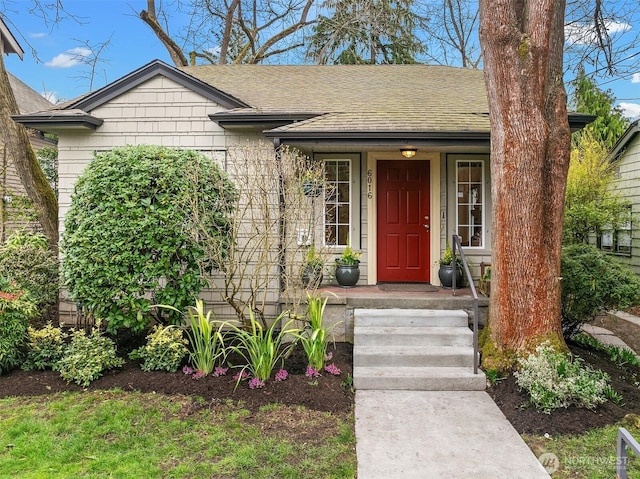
(592,282)
(87,357)
(27,260)
(45,347)
(164,350)
(131,234)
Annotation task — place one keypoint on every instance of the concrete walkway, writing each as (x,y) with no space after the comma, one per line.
(438,434)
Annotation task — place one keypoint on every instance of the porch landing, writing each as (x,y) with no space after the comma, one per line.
(343,301)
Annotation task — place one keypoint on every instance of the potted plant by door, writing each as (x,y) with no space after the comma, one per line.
(348,267)
(449,267)
(311,274)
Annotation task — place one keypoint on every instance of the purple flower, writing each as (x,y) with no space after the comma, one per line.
(220,371)
(329,356)
(198,375)
(255,383)
(282,375)
(187,370)
(241,375)
(332,369)
(312,372)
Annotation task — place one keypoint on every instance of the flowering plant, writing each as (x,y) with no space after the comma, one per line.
(448,258)
(349,257)
(332,369)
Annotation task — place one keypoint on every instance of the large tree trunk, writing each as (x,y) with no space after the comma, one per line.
(18,146)
(522,45)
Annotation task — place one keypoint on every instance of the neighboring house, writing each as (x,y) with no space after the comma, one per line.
(15,212)
(625,242)
(398,210)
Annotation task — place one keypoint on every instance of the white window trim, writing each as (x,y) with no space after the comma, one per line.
(354,160)
(483,201)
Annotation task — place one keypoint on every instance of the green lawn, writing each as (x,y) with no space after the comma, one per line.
(591,455)
(113,434)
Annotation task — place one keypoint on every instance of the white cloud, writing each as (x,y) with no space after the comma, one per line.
(635,78)
(630,110)
(584,33)
(69,59)
(37,35)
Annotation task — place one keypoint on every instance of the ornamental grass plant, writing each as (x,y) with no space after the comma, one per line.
(314,340)
(263,348)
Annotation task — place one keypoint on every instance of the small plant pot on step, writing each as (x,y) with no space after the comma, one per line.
(347,275)
(445,274)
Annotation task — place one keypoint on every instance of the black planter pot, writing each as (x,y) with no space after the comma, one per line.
(445,273)
(312,188)
(347,274)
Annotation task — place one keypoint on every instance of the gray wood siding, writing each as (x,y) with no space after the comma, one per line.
(628,185)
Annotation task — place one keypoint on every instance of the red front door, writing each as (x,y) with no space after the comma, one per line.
(403,211)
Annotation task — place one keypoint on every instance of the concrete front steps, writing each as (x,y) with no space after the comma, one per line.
(414,349)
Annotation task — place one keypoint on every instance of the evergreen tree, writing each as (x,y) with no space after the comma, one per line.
(366,32)
(610,123)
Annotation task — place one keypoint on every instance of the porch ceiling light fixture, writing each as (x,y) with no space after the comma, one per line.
(408,152)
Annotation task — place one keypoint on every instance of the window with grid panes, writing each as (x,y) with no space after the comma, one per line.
(337,215)
(470,203)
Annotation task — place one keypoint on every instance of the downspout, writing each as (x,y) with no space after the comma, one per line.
(282,225)
(3,203)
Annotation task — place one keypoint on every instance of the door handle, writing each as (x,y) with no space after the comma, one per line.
(426,225)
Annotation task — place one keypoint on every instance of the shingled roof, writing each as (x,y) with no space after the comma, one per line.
(355,99)
(319,102)
(28,100)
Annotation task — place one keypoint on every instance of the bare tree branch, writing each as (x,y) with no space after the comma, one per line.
(175,52)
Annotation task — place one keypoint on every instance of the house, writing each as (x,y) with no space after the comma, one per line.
(15,212)
(407,146)
(625,242)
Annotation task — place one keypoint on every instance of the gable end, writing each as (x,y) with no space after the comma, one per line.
(147,72)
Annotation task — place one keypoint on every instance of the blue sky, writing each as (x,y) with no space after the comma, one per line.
(59,75)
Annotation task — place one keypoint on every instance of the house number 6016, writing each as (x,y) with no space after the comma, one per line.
(369,184)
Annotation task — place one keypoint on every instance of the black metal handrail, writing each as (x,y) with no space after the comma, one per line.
(457,245)
(625,439)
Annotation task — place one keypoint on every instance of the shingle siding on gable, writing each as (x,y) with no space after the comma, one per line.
(165,112)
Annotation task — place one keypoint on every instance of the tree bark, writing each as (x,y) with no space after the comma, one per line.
(522,46)
(17,144)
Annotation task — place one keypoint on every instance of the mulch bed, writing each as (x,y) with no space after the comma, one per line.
(571,420)
(333,394)
(328,393)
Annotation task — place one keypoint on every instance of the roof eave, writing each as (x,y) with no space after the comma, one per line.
(380,135)
(266,121)
(377,138)
(621,145)
(577,121)
(52,123)
(10,44)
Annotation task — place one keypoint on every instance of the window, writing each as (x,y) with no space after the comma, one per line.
(337,215)
(470,202)
(617,241)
